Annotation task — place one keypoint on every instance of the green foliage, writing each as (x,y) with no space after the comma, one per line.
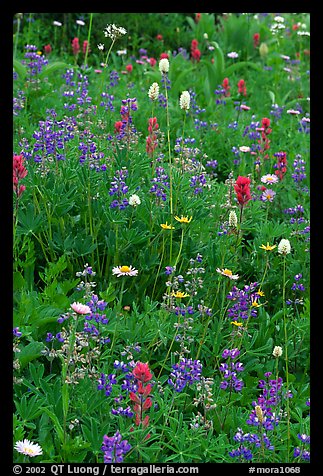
(69,237)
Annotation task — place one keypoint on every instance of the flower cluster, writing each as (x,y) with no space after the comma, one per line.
(242,89)
(112,31)
(230,369)
(19,172)
(75,46)
(265,409)
(185,372)
(243,452)
(297,287)
(246,302)
(299,169)
(160,184)
(281,164)
(152,139)
(119,189)
(195,52)
(301,453)
(242,189)
(140,398)
(114,448)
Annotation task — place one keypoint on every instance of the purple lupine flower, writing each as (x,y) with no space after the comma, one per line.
(119,188)
(185,372)
(114,448)
(230,369)
(299,169)
(16,332)
(106,382)
(160,184)
(244,302)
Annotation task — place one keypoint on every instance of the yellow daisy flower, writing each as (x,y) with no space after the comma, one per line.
(235,323)
(183,219)
(165,226)
(260,293)
(267,247)
(179,294)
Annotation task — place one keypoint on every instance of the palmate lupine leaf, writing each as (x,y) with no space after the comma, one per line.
(20,69)
(52,68)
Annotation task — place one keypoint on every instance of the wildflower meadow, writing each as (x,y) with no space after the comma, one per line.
(161,238)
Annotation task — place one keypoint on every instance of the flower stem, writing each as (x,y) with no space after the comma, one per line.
(170,177)
(88,40)
(286,358)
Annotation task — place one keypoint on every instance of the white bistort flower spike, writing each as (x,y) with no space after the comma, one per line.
(153,91)
(284,247)
(184,100)
(164,65)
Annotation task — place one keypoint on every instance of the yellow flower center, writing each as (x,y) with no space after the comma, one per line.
(124,269)
(227,272)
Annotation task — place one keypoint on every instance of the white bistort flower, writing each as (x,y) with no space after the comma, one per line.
(284,247)
(184,100)
(164,65)
(134,200)
(101,46)
(233,219)
(28,448)
(153,91)
(278,351)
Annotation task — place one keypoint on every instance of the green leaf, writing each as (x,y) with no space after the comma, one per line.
(241,65)
(20,69)
(18,281)
(31,352)
(57,425)
(52,68)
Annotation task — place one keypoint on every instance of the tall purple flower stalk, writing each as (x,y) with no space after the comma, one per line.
(119,189)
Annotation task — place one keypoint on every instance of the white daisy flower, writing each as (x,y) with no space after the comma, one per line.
(124,271)
(80,308)
(228,273)
(269,178)
(28,448)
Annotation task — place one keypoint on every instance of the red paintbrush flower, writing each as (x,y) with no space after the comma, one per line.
(242,189)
